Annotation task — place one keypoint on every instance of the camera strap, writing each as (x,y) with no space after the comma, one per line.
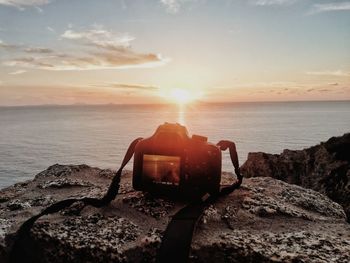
(177,238)
(23,247)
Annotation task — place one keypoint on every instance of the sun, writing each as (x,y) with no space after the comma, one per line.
(181,96)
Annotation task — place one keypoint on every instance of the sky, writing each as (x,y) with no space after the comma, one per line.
(141,51)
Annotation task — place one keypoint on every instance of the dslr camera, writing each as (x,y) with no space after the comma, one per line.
(172,163)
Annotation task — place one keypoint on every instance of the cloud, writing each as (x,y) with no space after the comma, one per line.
(24,3)
(40,10)
(64,94)
(95,61)
(127,86)
(127,89)
(132,89)
(333,84)
(329,7)
(41,50)
(323,90)
(94,49)
(50,29)
(21,48)
(288,89)
(335,73)
(17,72)
(28,62)
(99,38)
(174,6)
(8,46)
(274,2)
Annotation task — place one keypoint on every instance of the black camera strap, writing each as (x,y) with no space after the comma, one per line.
(22,249)
(177,238)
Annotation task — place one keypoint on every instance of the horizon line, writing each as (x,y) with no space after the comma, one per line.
(162,104)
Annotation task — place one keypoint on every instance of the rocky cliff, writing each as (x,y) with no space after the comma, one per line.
(266,220)
(324,168)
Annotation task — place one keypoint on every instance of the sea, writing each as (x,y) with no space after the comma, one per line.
(35,137)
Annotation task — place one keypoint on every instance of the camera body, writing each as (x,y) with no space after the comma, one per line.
(173,164)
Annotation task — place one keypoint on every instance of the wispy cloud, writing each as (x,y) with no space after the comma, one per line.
(174,6)
(7,46)
(22,48)
(71,94)
(128,59)
(99,38)
(336,73)
(50,29)
(40,10)
(40,50)
(17,72)
(273,2)
(285,90)
(334,84)
(94,49)
(329,7)
(28,62)
(123,86)
(24,3)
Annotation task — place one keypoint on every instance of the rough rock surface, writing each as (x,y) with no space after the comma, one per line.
(266,220)
(324,168)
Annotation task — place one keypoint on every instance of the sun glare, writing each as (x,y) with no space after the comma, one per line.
(180,96)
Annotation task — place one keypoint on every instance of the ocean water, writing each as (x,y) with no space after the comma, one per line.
(33,138)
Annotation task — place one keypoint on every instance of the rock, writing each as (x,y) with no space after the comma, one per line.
(63,182)
(266,220)
(17,204)
(324,168)
(154,207)
(58,170)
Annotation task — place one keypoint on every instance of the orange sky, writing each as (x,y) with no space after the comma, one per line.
(121,52)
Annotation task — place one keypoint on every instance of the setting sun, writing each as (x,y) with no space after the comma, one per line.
(181,96)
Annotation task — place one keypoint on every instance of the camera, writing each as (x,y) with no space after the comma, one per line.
(172,163)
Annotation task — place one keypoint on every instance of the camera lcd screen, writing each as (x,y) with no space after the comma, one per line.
(161,169)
